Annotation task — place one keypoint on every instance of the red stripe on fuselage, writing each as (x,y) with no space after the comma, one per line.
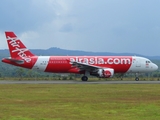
(61,64)
(58,64)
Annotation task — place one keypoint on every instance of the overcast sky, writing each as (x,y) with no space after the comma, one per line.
(130,26)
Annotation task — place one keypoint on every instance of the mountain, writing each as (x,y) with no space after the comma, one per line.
(59,51)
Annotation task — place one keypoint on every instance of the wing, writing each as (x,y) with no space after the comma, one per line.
(85,67)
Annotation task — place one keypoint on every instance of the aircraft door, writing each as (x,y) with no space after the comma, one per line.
(138,62)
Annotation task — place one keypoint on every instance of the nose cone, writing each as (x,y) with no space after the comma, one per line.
(155,67)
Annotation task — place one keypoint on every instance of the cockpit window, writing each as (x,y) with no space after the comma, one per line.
(148,61)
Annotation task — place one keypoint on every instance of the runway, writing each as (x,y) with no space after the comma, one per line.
(77,82)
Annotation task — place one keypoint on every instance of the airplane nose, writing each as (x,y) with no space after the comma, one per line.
(155,67)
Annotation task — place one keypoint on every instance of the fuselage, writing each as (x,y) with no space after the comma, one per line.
(62,64)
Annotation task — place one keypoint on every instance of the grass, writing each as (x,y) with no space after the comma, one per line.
(79,101)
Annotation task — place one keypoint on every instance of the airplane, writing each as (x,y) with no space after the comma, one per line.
(99,66)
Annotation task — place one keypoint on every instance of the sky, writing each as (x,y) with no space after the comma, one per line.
(118,26)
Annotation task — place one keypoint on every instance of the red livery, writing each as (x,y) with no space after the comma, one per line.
(100,66)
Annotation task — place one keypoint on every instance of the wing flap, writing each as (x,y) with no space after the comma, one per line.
(84,66)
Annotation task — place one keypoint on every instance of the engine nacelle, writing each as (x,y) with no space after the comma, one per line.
(106,73)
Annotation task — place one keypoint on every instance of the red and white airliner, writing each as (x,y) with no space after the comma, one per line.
(100,66)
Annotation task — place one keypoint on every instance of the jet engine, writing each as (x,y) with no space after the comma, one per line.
(106,72)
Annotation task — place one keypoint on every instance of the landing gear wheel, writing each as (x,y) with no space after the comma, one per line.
(137,79)
(84,78)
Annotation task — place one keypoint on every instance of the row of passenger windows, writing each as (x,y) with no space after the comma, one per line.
(57,62)
(54,62)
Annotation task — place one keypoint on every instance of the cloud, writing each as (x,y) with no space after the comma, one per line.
(66,28)
(3,43)
(104,25)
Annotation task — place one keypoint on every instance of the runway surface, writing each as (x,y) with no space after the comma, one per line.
(77,82)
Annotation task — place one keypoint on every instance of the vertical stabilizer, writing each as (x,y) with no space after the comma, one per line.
(16,48)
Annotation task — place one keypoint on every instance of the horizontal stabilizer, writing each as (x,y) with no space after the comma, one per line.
(15,60)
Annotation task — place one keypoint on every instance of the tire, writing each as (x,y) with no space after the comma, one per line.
(84,78)
(136,79)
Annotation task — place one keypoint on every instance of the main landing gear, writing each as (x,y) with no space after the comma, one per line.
(84,78)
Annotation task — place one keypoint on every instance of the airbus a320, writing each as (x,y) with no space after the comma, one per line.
(99,66)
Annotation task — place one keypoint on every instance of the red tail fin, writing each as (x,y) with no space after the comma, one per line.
(17,49)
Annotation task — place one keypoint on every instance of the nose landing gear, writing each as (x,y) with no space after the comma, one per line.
(137,78)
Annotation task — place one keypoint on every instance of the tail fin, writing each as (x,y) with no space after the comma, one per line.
(16,48)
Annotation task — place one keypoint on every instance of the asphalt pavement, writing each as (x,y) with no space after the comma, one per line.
(76,82)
